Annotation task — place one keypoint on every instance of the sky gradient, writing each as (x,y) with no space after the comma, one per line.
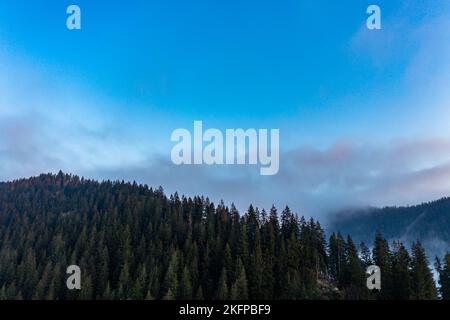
(363,115)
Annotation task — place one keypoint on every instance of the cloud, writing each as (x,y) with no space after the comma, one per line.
(312,181)
(19,145)
(43,129)
(346,174)
(47,124)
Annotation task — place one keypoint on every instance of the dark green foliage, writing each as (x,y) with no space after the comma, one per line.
(366,256)
(353,277)
(401,274)
(222,290)
(133,242)
(422,283)
(381,255)
(239,290)
(444,276)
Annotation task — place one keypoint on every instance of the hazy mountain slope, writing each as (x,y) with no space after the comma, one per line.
(427,222)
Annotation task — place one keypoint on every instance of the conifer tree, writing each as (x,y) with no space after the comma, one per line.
(366,256)
(444,277)
(185,288)
(353,277)
(239,290)
(382,258)
(170,285)
(401,277)
(422,284)
(222,291)
(199,294)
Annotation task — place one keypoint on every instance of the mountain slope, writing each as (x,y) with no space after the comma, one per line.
(427,222)
(133,242)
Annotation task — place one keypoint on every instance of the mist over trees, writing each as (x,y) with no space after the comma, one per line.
(428,222)
(134,242)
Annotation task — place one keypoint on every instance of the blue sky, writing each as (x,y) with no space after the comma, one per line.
(360,112)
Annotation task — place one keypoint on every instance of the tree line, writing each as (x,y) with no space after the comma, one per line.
(134,242)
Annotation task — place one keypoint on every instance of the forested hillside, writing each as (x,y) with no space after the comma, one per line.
(428,222)
(133,242)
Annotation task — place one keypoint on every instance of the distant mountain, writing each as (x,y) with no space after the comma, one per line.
(428,222)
